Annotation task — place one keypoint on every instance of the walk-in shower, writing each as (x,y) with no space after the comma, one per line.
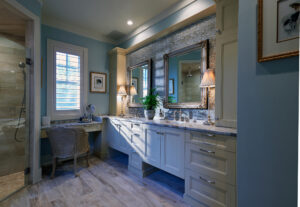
(13,132)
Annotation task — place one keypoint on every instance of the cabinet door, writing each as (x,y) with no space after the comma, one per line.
(115,138)
(152,148)
(125,136)
(112,133)
(226,63)
(172,151)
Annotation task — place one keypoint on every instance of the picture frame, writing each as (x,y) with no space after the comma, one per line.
(273,43)
(98,82)
(134,82)
(171,87)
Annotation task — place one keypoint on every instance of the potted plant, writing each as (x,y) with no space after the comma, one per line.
(150,103)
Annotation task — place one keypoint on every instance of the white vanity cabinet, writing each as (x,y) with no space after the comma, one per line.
(117,137)
(161,147)
(210,170)
(165,149)
(205,160)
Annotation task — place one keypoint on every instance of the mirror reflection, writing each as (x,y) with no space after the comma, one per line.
(139,82)
(184,77)
(184,69)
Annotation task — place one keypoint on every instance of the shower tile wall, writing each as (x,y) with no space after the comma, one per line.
(202,30)
(12,153)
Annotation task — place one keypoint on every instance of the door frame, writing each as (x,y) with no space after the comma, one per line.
(34,23)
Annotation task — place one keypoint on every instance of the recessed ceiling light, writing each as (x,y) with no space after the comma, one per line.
(129,22)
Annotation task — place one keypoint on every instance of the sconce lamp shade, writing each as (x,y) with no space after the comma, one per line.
(122,91)
(208,79)
(133,91)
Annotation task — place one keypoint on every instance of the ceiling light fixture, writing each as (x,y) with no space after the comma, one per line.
(129,22)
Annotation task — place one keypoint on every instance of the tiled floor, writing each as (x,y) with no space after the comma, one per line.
(103,184)
(11,183)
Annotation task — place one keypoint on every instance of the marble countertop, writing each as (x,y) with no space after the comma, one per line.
(72,124)
(198,126)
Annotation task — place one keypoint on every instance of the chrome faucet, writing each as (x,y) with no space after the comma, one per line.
(184,116)
(174,114)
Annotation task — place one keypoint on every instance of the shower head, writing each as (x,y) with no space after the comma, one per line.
(22,65)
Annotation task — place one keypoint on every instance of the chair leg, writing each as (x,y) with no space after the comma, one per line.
(75,166)
(53,167)
(87,159)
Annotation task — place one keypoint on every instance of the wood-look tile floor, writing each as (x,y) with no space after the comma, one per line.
(103,184)
(11,183)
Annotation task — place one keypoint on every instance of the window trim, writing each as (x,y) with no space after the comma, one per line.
(52,47)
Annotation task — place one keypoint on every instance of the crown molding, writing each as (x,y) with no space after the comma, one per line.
(50,21)
(188,21)
(118,50)
(164,14)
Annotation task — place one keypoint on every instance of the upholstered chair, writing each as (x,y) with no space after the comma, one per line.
(68,142)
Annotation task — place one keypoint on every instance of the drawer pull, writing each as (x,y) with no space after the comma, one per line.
(159,133)
(208,181)
(208,143)
(207,151)
(210,135)
(137,124)
(137,135)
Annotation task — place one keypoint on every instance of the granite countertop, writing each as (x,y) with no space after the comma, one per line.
(198,126)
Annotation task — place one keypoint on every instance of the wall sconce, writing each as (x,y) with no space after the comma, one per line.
(122,92)
(208,81)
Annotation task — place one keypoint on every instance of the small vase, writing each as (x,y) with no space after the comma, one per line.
(149,114)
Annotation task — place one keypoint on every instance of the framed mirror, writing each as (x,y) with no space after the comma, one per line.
(139,82)
(184,69)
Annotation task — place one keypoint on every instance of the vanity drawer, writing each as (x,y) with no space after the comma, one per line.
(136,127)
(91,127)
(222,142)
(209,192)
(126,125)
(219,164)
(114,122)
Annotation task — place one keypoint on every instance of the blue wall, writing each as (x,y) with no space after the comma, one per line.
(33,5)
(97,62)
(267,122)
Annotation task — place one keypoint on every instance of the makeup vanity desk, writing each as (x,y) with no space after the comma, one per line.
(89,127)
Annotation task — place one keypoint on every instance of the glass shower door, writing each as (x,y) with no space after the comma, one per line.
(13,116)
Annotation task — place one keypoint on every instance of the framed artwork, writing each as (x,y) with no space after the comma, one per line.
(134,82)
(171,86)
(278,29)
(98,82)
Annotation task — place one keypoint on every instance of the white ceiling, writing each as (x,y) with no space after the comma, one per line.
(103,18)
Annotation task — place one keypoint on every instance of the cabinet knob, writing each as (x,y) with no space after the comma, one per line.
(218,31)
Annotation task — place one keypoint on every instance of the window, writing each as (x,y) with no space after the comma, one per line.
(66,86)
(145,81)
